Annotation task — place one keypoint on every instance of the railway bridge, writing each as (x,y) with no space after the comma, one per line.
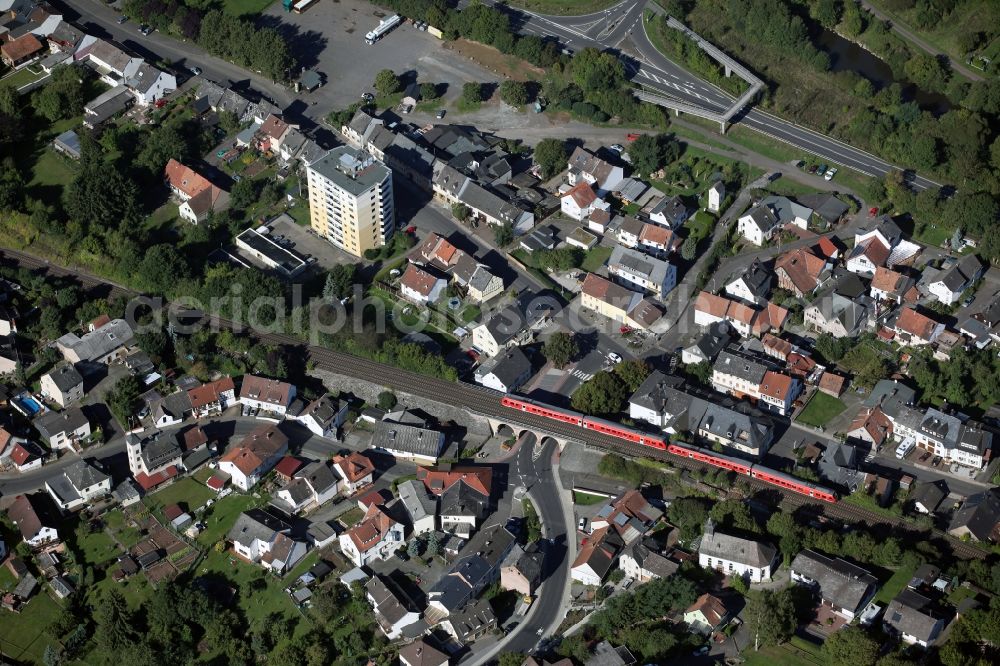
(513,428)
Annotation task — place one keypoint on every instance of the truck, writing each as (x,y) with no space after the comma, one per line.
(383,28)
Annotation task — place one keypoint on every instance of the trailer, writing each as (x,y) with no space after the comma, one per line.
(383,28)
(302,5)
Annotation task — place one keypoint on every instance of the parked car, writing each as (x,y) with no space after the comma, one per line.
(582,525)
(873,211)
(831,172)
(122,19)
(195,70)
(618,148)
(821,170)
(967,302)
(614,358)
(440,114)
(145,30)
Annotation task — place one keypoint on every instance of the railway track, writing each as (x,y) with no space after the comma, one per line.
(487,402)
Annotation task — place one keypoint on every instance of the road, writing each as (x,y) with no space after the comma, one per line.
(622,29)
(907,34)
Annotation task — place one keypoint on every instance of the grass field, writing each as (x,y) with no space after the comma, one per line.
(564,7)
(794,653)
(596,257)
(245,7)
(190,494)
(894,585)
(24,635)
(22,77)
(221,517)
(820,410)
(96,547)
(586,499)
(351,517)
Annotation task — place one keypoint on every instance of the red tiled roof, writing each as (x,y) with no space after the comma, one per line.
(374,498)
(274,127)
(583,194)
(288,466)
(711,607)
(717,306)
(875,422)
(802,267)
(776,385)
(369,532)
(800,365)
(194,438)
(419,280)
(19,48)
(173,511)
(147,482)
(828,248)
(266,390)
(918,325)
(654,234)
(876,252)
(186,179)
(354,466)
(437,481)
(216,482)
(209,393)
(20,454)
(831,383)
(5,438)
(99,321)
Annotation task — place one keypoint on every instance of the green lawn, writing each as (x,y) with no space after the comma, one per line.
(7,580)
(22,77)
(894,585)
(586,499)
(932,234)
(52,169)
(96,547)
(700,226)
(221,517)
(797,652)
(245,7)
(596,257)
(471,313)
(125,533)
(24,635)
(351,517)
(189,493)
(259,594)
(820,410)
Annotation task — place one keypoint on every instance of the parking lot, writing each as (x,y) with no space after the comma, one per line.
(331,34)
(306,243)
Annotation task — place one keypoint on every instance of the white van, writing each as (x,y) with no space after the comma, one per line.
(904,449)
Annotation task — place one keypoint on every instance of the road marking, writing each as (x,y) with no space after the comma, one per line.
(580,374)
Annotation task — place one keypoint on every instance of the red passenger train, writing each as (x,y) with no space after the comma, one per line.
(619,431)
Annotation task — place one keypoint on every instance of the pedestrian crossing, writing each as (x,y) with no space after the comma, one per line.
(581,375)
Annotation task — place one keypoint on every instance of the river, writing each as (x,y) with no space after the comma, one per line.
(846,56)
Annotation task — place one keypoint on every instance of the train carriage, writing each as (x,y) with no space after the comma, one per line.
(621,432)
(792,483)
(540,409)
(717,459)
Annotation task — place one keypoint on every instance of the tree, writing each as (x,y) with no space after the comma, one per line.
(460,211)
(414,547)
(433,544)
(53,657)
(927,71)
(123,398)
(561,348)
(428,91)
(649,153)
(387,400)
(550,155)
(689,248)
(472,92)
(595,70)
(514,93)
(503,235)
(115,623)
(244,194)
(603,394)
(162,267)
(851,646)
(339,281)
(387,83)
(770,616)
(510,659)
(832,349)
(633,373)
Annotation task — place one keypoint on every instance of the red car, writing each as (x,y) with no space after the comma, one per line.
(873,211)
(624,330)
(411,230)
(632,137)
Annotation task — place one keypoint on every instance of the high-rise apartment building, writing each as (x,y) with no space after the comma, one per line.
(350,200)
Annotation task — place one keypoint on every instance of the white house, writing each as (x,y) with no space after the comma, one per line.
(149,84)
(758,225)
(62,430)
(24,455)
(948,288)
(77,485)
(579,201)
(313,485)
(26,518)
(505,372)
(266,395)
(355,470)
(376,537)
(213,397)
(254,457)
(753,285)
(113,66)
(420,506)
(843,587)
(421,286)
(596,558)
(392,609)
(62,385)
(716,194)
(262,538)
(647,273)
(643,564)
(910,617)
(323,416)
(584,166)
(669,212)
(735,556)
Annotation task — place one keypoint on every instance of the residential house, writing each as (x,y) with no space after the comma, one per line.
(736,556)
(628,230)
(270,396)
(359,127)
(462,507)
(35,529)
(948,288)
(408,441)
(515,324)
(706,615)
(480,284)
(254,457)
(645,272)
(103,344)
(452,186)
(198,197)
(618,303)
(521,571)
(392,608)
(743,375)
(670,212)
(873,246)
(629,515)
(312,486)
(801,271)
(631,190)
(483,285)
(375,537)
(871,426)
(77,485)
(149,84)
(153,460)
(213,397)
(470,574)
(21,50)
(63,385)
(658,399)
(913,328)
(838,315)
(656,240)
(422,653)
(262,538)
(927,497)
(419,505)
(323,416)
(752,286)
(595,558)
(718,336)
(586,167)
(642,562)
(736,426)
(892,287)
(758,224)
(421,286)
(978,518)
(843,587)
(271,133)
(710,309)
(170,410)
(112,64)
(579,201)
(63,430)
(505,372)
(470,623)
(25,455)
(716,195)
(909,616)
(355,470)
(605,654)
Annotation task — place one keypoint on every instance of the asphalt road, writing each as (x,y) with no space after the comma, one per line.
(621,28)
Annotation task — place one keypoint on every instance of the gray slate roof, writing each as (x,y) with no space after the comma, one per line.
(416,501)
(83,475)
(65,377)
(256,524)
(839,582)
(51,424)
(407,439)
(96,344)
(735,549)
(509,366)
